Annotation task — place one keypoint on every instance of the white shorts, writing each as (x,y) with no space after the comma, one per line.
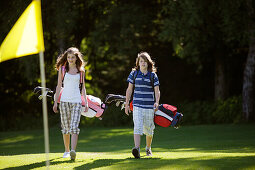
(143,121)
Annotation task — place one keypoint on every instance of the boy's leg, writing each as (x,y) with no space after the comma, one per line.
(138,126)
(148,129)
(137,139)
(138,130)
(148,141)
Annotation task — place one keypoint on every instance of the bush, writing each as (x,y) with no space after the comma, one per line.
(198,112)
(210,112)
(229,111)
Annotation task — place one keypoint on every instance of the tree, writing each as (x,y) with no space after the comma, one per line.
(206,31)
(249,71)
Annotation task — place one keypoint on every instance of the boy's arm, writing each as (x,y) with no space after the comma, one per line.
(157,96)
(128,95)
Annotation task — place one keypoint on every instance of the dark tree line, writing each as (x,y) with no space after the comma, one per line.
(204,50)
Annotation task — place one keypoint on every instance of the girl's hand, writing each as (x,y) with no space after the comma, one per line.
(55,107)
(86,108)
(155,106)
(127,109)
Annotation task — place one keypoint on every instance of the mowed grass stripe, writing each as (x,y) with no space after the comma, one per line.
(190,147)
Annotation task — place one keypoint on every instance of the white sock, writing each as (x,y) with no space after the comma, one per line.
(148,148)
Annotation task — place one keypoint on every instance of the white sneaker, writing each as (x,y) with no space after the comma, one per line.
(72,154)
(66,155)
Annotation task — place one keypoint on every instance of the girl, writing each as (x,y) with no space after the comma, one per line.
(70,102)
(144,84)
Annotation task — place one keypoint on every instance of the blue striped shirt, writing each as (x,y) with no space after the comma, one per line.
(144,93)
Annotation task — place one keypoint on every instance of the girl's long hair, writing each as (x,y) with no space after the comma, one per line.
(62,60)
(146,57)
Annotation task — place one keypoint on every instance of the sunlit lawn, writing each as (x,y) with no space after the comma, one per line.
(190,147)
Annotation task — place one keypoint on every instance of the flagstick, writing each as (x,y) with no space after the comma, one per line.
(45,114)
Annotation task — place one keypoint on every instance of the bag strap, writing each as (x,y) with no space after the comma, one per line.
(81,81)
(134,77)
(152,84)
(63,71)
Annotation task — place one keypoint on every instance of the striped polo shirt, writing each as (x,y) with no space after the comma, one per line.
(143,94)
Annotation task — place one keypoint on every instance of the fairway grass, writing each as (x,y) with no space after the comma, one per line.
(190,147)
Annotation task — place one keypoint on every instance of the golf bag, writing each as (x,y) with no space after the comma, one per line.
(119,99)
(167,115)
(96,106)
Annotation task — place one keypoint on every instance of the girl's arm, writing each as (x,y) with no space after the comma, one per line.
(128,95)
(58,89)
(157,96)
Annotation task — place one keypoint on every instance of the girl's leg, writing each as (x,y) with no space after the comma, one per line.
(66,138)
(75,120)
(65,116)
(74,141)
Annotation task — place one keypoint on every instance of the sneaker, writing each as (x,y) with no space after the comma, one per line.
(66,155)
(136,152)
(72,155)
(148,152)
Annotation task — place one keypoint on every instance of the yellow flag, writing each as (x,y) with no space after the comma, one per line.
(26,36)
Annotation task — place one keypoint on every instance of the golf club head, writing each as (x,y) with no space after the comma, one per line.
(117,103)
(123,106)
(39,89)
(40,97)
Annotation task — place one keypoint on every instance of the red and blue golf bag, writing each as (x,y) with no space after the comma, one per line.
(167,115)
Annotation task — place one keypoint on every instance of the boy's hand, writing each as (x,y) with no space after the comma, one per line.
(155,106)
(127,109)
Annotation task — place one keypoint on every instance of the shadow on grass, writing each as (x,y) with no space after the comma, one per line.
(39,164)
(100,163)
(95,164)
(239,162)
(156,163)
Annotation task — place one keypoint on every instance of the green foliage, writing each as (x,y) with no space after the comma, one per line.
(110,34)
(210,112)
(229,110)
(199,29)
(198,112)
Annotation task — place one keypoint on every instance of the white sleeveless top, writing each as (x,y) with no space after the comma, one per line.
(71,92)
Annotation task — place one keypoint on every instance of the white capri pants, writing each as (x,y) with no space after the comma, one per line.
(143,121)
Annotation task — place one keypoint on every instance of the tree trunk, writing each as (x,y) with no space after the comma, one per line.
(220,87)
(249,70)
(248,82)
